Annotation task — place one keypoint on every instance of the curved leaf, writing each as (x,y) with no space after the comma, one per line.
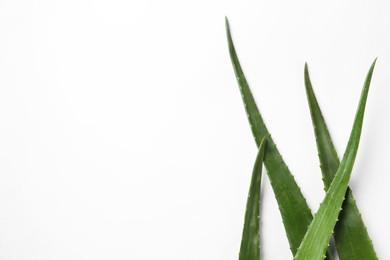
(293,207)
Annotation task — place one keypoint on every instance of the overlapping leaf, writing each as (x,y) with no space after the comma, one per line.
(316,240)
(352,239)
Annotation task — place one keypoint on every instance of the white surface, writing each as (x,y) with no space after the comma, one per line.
(123,136)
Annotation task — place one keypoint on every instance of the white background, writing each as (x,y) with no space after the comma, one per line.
(123,135)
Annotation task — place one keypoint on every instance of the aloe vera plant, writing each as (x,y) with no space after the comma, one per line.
(250,242)
(315,242)
(352,239)
(293,207)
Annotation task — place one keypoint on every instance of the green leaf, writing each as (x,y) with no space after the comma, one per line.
(293,207)
(316,240)
(250,243)
(351,236)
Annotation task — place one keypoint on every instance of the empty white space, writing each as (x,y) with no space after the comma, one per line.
(123,134)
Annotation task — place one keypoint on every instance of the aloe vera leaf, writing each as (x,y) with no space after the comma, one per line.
(351,235)
(293,207)
(316,240)
(250,243)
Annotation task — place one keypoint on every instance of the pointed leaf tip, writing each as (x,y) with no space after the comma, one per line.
(250,243)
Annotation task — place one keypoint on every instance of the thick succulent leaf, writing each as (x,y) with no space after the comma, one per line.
(316,240)
(351,236)
(250,243)
(293,207)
